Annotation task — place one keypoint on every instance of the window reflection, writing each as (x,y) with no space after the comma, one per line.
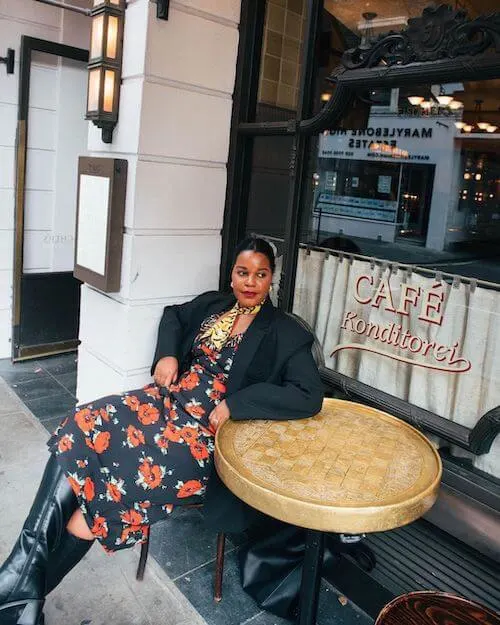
(412,186)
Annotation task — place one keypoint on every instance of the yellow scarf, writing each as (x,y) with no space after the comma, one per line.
(219,332)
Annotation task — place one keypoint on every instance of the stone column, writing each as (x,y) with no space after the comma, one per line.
(175,112)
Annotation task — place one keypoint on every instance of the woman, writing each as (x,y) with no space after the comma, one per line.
(123,462)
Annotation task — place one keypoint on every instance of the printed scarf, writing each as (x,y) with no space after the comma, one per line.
(219,332)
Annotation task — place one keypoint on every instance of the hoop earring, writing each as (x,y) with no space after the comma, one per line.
(270,288)
(232,285)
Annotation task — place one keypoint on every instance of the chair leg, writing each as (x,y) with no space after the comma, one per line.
(219,566)
(142,560)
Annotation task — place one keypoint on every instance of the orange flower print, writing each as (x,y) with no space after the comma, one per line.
(144,505)
(189,381)
(150,475)
(84,420)
(132,402)
(189,434)
(75,482)
(172,414)
(103,414)
(115,489)
(65,443)
(131,532)
(152,391)
(81,464)
(172,432)
(189,488)
(135,437)
(162,441)
(199,451)
(195,409)
(213,395)
(88,489)
(209,353)
(219,386)
(131,517)
(148,414)
(101,442)
(100,527)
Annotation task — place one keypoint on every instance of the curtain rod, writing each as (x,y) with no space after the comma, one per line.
(62,5)
(390,263)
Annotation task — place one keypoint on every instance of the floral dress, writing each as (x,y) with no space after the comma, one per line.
(131,458)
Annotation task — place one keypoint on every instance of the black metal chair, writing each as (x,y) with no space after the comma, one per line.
(219,560)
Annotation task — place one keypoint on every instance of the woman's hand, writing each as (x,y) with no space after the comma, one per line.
(166,371)
(219,415)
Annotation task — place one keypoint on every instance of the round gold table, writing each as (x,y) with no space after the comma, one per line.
(350,469)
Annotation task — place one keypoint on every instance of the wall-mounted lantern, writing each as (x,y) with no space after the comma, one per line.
(105,65)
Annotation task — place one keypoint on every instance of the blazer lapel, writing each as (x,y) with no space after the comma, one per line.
(249,345)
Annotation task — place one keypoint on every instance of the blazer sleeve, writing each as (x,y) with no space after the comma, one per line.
(299,395)
(175,322)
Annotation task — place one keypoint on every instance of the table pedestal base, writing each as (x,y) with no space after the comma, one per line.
(311,577)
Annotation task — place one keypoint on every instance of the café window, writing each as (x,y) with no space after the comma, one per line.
(398,269)
(395,237)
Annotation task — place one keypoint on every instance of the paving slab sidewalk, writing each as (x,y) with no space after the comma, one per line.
(102,589)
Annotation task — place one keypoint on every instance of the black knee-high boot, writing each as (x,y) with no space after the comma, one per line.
(23,574)
(65,557)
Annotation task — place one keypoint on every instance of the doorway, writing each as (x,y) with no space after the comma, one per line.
(51,134)
(415,195)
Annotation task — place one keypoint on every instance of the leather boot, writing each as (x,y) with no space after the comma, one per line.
(23,574)
(65,557)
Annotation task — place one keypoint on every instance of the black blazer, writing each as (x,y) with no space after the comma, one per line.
(273,376)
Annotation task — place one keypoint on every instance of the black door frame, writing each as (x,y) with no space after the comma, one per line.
(28,46)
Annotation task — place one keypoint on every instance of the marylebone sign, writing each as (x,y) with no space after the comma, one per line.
(421,139)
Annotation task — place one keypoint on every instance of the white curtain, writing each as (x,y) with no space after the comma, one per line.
(382,372)
(325,290)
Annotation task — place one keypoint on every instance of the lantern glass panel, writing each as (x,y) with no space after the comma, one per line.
(109,90)
(93,95)
(97,36)
(112,40)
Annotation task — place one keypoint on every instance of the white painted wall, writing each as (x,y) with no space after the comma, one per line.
(175,113)
(17,18)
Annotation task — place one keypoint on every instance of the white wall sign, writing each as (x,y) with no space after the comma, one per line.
(93,223)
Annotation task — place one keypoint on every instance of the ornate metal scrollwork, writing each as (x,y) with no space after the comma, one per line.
(439,33)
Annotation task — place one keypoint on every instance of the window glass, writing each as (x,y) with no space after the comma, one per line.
(280,68)
(399,266)
(269,185)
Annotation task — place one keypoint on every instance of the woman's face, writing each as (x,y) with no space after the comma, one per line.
(251,278)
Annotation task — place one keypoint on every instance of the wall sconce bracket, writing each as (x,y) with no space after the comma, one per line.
(106,127)
(162,7)
(9,60)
